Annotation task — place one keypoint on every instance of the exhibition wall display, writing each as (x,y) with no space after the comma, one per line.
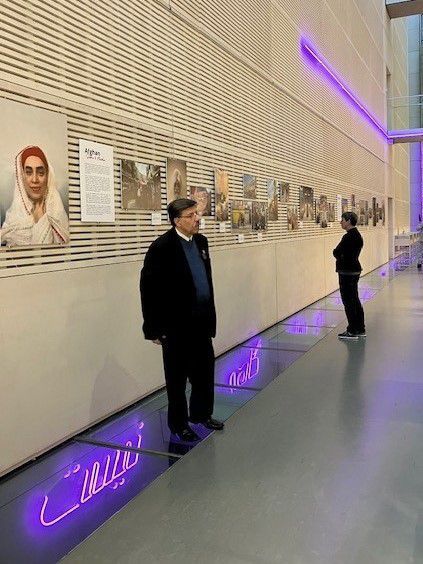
(193,100)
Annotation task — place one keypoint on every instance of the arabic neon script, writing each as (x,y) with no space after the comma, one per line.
(97,476)
(247,371)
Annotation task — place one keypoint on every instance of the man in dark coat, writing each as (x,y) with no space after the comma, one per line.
(179,314)
(349,268)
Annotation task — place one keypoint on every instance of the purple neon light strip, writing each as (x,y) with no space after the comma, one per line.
(326,68)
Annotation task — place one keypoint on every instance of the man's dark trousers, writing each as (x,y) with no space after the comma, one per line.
(197,366)
(348,286)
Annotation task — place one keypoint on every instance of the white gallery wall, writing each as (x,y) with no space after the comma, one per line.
(218,84)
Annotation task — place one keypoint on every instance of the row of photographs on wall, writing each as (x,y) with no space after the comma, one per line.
(141,189)
(34,201)
(253,215)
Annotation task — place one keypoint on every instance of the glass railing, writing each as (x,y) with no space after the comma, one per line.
(405,112)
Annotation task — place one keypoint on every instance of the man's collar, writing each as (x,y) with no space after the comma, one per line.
(182,235)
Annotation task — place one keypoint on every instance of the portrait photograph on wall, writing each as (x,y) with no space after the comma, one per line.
(331,212)
(241,215)
(33,176)
(259,216)
(378,212)
(306,199)
(176,179)
(283,192)
(272,200)
(249,185)
(292,217)
(203,198)
(344,205)
(140,185)
(353,205)
(374,212)
(221,194)
(361,212)
(322,211)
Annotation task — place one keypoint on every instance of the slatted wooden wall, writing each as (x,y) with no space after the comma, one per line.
(218,83)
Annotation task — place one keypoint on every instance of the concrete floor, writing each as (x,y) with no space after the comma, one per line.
(323,466)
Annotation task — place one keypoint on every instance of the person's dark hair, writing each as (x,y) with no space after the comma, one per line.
(351,217)
(175,208)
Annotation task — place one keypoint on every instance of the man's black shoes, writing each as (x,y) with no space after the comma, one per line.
(211,423)
(187,435)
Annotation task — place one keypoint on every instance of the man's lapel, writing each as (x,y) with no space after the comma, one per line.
(180,258)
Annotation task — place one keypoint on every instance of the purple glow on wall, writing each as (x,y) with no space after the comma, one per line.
(80,486)
(317,61)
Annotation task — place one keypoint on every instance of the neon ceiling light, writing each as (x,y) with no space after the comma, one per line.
(316,60)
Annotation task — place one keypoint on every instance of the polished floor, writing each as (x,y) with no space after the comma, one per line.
(321,460)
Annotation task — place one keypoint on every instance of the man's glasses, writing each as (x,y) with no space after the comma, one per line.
(190,215)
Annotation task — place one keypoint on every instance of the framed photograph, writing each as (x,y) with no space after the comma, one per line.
(283,192)
(292,217)
(272,200)
(140,185)
(203,198)
(249,184)
(241,215)
(306,198)
(259,216)
(176,177)
(221,190)
(362,212)
(323,211)
(33,176)
(344,205)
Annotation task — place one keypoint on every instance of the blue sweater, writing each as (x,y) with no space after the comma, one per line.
(198,270)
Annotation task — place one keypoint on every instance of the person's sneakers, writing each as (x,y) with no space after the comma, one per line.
(211,423)
(361,334)
(347,335)
(187,435)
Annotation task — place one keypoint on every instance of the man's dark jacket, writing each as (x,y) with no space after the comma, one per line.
(348,251)
(168,295)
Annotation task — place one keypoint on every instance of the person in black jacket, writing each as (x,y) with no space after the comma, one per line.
(349,268)
(179,314)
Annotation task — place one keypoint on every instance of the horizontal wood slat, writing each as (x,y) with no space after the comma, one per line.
(230,90)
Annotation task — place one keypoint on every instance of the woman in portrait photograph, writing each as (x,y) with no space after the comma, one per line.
(37,215)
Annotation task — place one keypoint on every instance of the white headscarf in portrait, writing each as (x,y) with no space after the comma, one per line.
(19,227)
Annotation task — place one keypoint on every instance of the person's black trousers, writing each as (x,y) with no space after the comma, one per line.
(189,358)
(348,286)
